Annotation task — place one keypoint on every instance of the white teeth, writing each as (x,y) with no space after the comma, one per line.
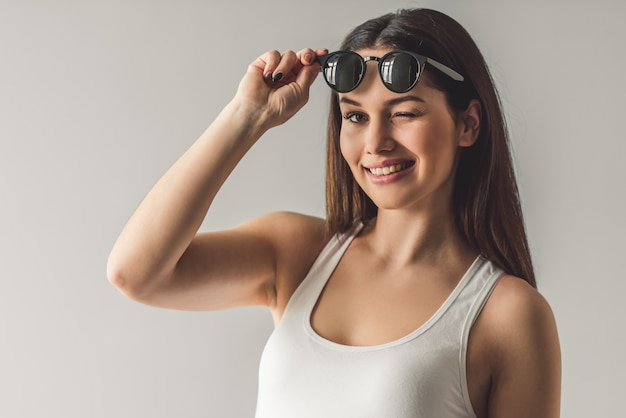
(384,171)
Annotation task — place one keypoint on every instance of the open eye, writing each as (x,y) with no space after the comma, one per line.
(354,117)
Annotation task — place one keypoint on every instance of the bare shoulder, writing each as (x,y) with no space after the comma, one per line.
(297,240)
(515,302)
(520,335)
(518,319)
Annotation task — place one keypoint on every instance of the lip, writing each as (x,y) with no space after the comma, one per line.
(408,167)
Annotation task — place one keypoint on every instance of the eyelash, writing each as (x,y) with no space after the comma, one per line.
(405,115)
(351,115)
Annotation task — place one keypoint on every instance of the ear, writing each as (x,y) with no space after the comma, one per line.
(469,124)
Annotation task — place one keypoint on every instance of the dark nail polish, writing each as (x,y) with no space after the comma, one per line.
(277,77)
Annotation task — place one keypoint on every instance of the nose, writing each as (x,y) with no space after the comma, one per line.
(378,138)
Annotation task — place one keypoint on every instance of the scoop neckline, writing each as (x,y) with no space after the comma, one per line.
(478,261)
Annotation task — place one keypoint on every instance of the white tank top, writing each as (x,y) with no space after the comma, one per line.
(423,374)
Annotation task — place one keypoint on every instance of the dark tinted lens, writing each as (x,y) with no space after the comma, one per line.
(399,71)
(343,71)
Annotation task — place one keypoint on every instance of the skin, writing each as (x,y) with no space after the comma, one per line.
(394,275)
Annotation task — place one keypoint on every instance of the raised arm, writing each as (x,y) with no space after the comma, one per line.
(160,259)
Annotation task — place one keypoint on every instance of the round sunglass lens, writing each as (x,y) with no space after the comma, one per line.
(399,71)
(343,71)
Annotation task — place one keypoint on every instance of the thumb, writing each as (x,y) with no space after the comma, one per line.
(307,75)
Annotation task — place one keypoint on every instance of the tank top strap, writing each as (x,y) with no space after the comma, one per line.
(307,293)
(483,276)
(471,300)
(469,297)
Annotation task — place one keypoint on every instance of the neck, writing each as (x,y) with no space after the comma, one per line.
(404,238)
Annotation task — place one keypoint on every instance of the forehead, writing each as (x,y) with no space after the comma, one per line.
(373,52)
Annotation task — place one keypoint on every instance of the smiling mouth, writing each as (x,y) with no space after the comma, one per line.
(394,168)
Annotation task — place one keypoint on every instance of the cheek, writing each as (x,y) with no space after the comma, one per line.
(349,149)
(440,141)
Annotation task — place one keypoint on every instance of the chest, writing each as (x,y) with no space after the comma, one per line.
(340,381)
(412,371)
(364,304)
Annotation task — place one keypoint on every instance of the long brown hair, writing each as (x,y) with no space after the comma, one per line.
(486,201)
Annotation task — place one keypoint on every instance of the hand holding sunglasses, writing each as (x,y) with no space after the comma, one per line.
(399,70)
(276,85)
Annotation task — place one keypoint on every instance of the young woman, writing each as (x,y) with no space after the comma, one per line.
(416,296)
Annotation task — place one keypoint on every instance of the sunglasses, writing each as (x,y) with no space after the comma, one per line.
(399,70)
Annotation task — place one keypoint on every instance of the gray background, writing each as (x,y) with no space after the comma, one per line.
(97,99)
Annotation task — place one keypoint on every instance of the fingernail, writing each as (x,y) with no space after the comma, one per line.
(307,58)
(277,77)
(267,77)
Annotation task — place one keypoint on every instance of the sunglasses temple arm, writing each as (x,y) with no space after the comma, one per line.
(445,69)
(321,61)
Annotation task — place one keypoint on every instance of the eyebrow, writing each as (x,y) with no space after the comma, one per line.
(391,102)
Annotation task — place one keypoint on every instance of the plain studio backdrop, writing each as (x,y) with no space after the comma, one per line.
(98,98)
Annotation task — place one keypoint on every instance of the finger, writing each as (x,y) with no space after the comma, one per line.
(307,75)
(271,59)
(320,52)
(286,66)
(303,58)
(306,56)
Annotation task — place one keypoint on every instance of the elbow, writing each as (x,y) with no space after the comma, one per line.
(128,282)
(117,276)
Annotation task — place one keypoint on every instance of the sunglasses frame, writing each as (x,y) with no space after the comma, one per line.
(421,63)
